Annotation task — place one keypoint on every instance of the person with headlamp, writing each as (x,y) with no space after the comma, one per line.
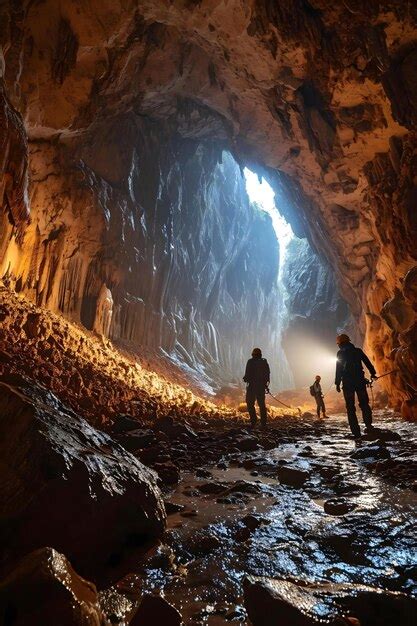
(349,373)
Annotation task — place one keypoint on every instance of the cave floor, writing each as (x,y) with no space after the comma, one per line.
(238,517)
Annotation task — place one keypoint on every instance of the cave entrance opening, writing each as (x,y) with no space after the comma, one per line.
(262,195)
(311,311)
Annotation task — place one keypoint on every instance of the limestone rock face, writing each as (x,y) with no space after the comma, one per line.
(67,485)
(319,96)
(161,250)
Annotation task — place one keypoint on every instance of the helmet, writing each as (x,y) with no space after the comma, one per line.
(342,339)
(256,352)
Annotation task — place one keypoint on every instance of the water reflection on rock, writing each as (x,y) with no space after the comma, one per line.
(322,514)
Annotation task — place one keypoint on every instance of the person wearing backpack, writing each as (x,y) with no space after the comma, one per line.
(316,391)
(349,373)
(257,375)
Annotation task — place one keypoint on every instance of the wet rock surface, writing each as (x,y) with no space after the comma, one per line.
(338,545)
(270,602)
(43,589)
(68,485)
(326,528)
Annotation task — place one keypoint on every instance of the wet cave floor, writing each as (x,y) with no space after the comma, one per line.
(316,508)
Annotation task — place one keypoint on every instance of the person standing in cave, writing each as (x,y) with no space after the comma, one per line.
(318,395)
(349,372)
(257,376)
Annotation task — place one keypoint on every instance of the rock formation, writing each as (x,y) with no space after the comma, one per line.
(270,602)
(135,273)
(316,313)
(56,468)
(43,587)
(319,97)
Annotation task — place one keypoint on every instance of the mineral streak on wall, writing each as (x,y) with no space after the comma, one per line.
(320,94)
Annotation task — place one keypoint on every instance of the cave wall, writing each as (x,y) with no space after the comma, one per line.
(319,95)
(153,245)
(316,314)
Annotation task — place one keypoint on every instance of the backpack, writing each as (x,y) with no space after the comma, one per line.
(312,392)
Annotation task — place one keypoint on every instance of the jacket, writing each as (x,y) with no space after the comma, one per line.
(257,373)
(349,365)
(317,389)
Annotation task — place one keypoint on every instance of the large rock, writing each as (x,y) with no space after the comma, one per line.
(43,589)
(272,602)
(292,476)
(67,485)
(156,610)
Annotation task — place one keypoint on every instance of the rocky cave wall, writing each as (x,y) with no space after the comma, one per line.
(153,243)
(320,96)
(317,312)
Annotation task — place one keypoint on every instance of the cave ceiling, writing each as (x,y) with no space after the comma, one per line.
(306,88)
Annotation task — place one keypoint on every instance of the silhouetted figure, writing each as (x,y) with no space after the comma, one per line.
(318,395)
(256,376)
(350,373)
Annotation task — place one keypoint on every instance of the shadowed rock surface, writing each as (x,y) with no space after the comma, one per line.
(270,602)
(70,486)
(43,588)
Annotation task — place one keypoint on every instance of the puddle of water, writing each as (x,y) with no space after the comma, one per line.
(373,544)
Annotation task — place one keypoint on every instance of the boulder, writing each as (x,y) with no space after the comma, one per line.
(371,453)
(65,484)
(247,444)
(292,476)
(338,506)
(174,429)
(167,472)
(381,435)
(123,424)
(271,602)
(212,488)
(44,589)
(203,473)
(135,439)
(156,610)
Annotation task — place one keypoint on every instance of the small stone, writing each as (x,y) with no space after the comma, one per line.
(203,473)
(191,513)
(172,507)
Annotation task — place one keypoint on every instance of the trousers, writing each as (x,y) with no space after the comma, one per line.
(320,405)
(350,388)
(256,394)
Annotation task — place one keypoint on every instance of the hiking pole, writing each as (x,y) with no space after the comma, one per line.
(283,403)
(386,374)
